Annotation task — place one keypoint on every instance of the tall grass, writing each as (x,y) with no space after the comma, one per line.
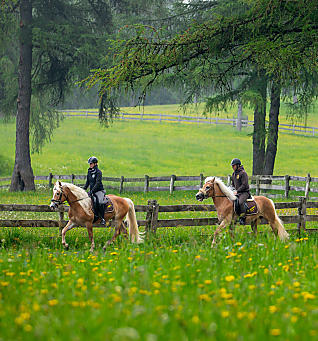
(138,148)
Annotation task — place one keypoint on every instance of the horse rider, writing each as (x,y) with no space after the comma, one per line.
(94,181)
(242,189)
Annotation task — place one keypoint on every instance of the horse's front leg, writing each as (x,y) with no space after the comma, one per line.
(89,227)
(68,227)
(223,225)
(254,226)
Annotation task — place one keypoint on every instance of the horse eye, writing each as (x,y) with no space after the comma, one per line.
(207,187)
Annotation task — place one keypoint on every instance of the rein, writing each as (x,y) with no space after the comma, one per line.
(60,202)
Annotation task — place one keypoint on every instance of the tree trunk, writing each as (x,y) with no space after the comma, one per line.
(259,133)
(22,177)
(272,137)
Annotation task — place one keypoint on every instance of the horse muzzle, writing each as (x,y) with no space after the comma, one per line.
(200,196)
(53,205)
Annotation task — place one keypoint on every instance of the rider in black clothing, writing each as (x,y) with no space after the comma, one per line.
(94,181)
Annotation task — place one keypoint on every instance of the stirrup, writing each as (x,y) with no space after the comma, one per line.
(103,222)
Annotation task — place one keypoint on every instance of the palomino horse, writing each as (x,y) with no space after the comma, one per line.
(223,198)
(81,212)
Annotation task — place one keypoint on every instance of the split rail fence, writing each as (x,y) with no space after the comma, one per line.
(291,128)
(151,220)
(279,186)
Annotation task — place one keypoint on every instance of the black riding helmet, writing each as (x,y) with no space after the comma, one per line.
(236,162)
(92,159)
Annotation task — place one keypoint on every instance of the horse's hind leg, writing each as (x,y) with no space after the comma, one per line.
(89,227)
(68,227)
(123,230)
(116,234)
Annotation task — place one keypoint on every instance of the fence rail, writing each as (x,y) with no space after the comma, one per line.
(292,128)
(284,186)
(152,221)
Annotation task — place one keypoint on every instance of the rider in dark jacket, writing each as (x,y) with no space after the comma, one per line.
(240,183)
(94,181)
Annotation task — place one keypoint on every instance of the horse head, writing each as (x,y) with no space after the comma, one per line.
(59,195)
(207,190)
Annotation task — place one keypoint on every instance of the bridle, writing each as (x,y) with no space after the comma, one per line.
(60,202)
(205,193)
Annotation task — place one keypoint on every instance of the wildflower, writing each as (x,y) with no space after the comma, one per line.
(205,297)
(195,319)
(207,281)
(272,309)
(53,302)
(229,278)
(275,332)
(308,296)
(225,314)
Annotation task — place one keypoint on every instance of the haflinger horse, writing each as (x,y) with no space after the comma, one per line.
(223,198)
(81,212)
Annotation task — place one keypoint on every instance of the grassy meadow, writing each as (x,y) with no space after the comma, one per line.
(173,286)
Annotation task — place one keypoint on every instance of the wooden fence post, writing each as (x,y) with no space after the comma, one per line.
(50,180)
(286,185)
(257,184)
(302,214)
(307,188)
(121,185)
(149,215)
(201,180)
(146,187)
(154,217)
(172,180)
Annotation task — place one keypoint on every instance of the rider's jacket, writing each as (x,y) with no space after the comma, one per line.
(240,181)
(94,180)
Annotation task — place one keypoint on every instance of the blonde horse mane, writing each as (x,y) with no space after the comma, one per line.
(79,193)
(224,189)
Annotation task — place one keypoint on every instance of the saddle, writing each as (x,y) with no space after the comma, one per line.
(251,207)
(103,201)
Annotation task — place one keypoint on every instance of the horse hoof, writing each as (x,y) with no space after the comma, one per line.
(66,247)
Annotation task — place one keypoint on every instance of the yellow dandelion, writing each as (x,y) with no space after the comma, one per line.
(229,278)
(275,332)
(272,309)
(225,313)
(195,319)
(53,302)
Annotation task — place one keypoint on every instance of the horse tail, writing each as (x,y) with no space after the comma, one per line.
(278,225)
(134,233)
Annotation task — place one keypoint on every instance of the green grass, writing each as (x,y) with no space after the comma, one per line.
(172,287)
(138,148)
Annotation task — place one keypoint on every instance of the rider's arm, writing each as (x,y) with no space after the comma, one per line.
(87,183)
(98,182)
(244,183)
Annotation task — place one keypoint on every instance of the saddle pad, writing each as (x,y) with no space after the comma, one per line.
(251,207)
(109,206)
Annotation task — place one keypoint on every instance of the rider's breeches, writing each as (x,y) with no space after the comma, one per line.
(242,197)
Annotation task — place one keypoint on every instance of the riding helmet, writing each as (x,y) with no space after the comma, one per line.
(236,162)
(92,159)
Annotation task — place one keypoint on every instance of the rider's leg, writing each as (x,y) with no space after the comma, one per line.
(242,199)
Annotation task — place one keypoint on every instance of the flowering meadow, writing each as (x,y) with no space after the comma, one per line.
(174,286)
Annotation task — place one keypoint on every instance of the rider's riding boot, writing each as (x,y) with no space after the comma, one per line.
(102,213)
(242,219)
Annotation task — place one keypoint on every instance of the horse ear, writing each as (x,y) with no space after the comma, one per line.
(60,184)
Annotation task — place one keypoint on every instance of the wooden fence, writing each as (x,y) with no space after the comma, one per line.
(291,128)
(282,186)
(152,221)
